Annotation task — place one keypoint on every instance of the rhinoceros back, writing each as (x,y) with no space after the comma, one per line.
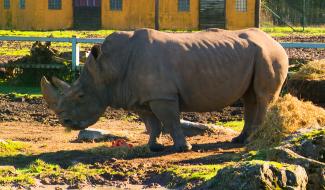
(204,71)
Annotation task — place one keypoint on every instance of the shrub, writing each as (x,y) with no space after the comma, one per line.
(40,53)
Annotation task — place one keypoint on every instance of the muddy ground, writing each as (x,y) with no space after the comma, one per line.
(35,110)
(28,120)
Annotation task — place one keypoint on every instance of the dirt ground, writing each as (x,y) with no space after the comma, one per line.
(29,120)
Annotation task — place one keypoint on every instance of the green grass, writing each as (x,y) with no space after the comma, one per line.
(22,48)
(52,172)
(235,125)
(11,148)
(19,91)
(103,33)
(287,31)
(57,33)
(9,176)
(195,172)
(309,135)
(183,175)
(17,52)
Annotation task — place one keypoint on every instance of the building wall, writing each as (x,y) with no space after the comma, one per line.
(134,14)
(171,18)
(6,16)
(239,20)
(36,16)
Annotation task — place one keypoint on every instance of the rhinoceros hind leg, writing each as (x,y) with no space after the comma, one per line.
(250,108)
(267,83)
(153,126)
(168,113)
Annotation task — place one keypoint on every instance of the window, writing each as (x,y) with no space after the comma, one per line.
(115,4)
(183,5)
(241,5)
(6,4)
(54,4)
(87,3)
(22,4)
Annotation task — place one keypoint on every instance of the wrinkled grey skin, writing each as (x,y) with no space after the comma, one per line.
(160,74)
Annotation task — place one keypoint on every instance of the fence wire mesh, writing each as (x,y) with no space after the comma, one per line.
(293,13)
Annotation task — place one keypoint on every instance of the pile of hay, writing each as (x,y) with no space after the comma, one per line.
(284,117)
(314,70)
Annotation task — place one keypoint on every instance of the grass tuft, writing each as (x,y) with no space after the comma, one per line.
(10,176)
(195,172)
(11,148)
(235,125)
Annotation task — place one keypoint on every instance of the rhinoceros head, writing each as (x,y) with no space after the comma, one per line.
(81,104)
(78,105)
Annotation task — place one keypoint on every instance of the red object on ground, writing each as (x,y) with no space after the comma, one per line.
(121,142)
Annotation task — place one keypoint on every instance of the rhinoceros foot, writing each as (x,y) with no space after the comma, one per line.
(182,148)
(156,147)
(240,139)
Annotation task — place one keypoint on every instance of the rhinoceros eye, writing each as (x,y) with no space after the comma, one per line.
(81,95)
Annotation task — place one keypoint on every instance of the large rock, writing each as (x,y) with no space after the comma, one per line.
(91,134)
(314,168)
(191,129)
(305,148)
(256,175)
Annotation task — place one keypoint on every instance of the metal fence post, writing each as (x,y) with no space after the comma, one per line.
(75,54)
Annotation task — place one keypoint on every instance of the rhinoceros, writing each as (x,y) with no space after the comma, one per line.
(159,74)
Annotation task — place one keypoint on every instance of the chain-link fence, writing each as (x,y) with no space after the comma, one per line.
(293,13)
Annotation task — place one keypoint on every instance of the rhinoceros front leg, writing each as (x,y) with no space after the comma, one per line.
(153,126)
(168,113)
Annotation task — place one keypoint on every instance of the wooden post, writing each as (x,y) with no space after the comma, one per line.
(156,14)
(257,13)
(75,54)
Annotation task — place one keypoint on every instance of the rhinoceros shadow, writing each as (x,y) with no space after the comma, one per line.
(102,154)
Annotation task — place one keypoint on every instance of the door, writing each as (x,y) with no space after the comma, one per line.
(87,14)
(212,14)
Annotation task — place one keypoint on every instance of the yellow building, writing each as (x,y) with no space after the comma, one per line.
(128,14)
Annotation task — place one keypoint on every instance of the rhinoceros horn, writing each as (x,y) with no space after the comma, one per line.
(50,94)
(63,86)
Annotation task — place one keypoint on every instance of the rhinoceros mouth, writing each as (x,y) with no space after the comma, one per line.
(76,125)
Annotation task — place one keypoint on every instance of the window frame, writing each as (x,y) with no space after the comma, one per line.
(6,4)
(184,5)
(22,4)
(241,6)
(115,5)
(54,4)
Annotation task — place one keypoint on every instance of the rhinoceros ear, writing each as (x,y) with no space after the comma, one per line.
(95,51)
